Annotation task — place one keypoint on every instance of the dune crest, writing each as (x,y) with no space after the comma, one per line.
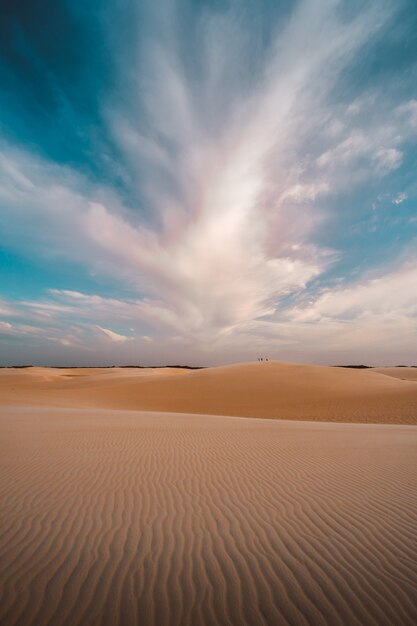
(267,390)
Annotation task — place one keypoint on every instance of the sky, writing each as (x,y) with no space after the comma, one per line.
(208,181)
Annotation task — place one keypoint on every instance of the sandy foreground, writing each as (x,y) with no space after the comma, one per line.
(118,516)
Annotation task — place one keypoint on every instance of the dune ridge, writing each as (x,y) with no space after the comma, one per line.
(268,390)
(403,373)
(123,517)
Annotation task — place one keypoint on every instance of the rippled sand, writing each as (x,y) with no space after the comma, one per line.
(112,517)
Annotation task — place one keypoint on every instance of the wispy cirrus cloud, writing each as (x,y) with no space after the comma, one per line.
(229,170)
(110,334)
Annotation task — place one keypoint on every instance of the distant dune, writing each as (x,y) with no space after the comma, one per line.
(403,373)
(268,390)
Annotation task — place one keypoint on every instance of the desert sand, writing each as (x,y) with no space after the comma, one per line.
(266,390)
(403,373)
(135,497)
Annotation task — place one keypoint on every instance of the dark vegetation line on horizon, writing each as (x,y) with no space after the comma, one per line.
(183,367)
(106,367)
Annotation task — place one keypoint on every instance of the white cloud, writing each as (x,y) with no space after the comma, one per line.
(408,110)
(400,198)
(389,294)
(364,152)
(215,262)
(230,183)
(110,334)
(388,159)
(371,321)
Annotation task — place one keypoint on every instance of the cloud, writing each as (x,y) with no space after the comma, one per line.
(392,293)
(371,320)
(232,168)
(400,198)
(371,317)
(110,334)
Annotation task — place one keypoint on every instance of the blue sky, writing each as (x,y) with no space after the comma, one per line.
(208,181)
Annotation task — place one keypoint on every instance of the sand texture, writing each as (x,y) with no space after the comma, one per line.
(403,373)
(268,390)
(123,502)
(124,518)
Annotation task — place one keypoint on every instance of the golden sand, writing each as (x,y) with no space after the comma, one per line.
(115,517)
(269,390)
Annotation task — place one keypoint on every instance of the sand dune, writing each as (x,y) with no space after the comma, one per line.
(268,390)
(403,373)
(123,518)
(113,516)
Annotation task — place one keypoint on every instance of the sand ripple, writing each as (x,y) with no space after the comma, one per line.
(126,518)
